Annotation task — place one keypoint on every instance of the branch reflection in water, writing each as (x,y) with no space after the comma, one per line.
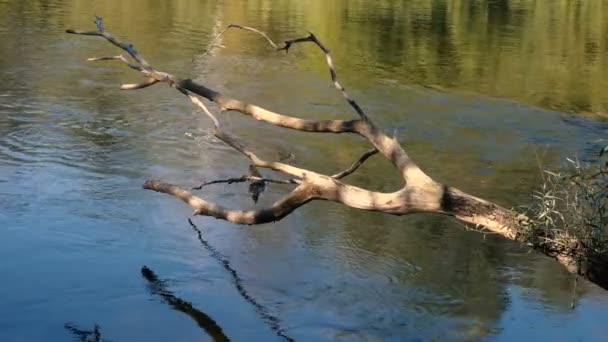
(159,288)
(85,335)
(273,321)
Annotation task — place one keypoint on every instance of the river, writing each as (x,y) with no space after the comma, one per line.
(476,90)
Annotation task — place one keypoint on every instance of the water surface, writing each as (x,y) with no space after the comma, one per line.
(475,90)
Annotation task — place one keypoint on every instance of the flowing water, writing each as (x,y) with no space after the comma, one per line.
(475,90)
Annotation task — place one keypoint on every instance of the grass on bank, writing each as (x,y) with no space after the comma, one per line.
(569,210)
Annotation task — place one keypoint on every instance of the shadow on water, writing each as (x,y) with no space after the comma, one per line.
(208,324)
(158,287)
(273,321)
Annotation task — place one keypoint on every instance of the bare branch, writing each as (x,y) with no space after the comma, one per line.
(134,86)
(220,134)
(129,48)
(106,58)
(202,106)
(356,164)
(276,166)
(332,69)
(186,86)
(259,113)
(247,28)
(121,58)
(243,179)
(84,33)
(390,148)
(289,43)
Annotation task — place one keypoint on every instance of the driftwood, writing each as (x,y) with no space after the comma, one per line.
(419,194)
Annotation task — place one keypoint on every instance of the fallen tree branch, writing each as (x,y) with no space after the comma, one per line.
(419,194)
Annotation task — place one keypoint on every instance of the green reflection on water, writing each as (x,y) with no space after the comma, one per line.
(549,53)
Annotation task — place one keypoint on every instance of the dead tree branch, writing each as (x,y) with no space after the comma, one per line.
(419,194)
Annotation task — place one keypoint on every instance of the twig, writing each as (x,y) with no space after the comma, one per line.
(202,106)
(243,179)
(134,86)
(246,28)
(332,69)
(281,208)
(356,164)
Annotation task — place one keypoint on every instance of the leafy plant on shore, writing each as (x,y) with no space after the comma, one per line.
(569,211)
